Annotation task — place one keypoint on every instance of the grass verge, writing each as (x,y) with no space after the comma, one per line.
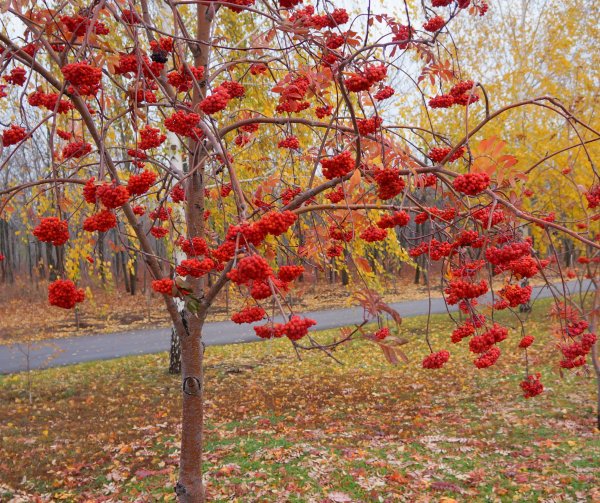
(279,429)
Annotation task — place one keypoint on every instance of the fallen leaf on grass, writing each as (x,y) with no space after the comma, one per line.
(339,497)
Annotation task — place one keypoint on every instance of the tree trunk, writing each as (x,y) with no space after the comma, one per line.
(190,488)
(175,351)
(595,356)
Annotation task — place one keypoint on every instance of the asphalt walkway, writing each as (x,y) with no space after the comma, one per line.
(71,350)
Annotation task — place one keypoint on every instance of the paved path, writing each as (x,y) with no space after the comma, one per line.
(67,351)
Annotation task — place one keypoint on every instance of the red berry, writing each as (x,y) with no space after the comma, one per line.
(52,230)
(471,184)
(532,386)
(63,293)
(436,360)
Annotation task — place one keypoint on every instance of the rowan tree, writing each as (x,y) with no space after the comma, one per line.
(295,125)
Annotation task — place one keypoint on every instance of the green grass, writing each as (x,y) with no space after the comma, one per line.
(289,430)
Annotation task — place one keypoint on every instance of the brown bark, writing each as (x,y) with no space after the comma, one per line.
(595,356)
(190,488)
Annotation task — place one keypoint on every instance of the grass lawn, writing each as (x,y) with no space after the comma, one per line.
(284,430)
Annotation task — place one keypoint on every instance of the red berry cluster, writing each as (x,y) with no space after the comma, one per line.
(435,24)
(468,269)
(289,194)
(488,358)
(576,352)
(240,3)
(482,343)
(368,126)
(78,25)
(384,93)
(250,233)
(63,293)
(516,295)
(396,219)
(307,18)
(253,267)
(150,137)
(532,386)
(334,41)
(158,232)
(52,230)
(294,329)
(111,195)
(128,63)
(289,4)
(362,81)
(339,233)
(334,251)
(65,135)
(324,111)
(216,102)
(289,142)
(89,191)
(193,247)
(460,94)
(13,135)
(434,248)
(277,223)
(512,251)
(438,154)
(446,214)
(182,80)
(593,197)
(526,341)
(402,35)
(337,195)
(164,44)
(249,314)
(76,149)
(297,327)
(382,333)
(260,290)
(441,3)
(102,221)
(289,273)
(17,76)
(372,234)
(442,101)
(389,183)
(50,101)
(195,267)
(459,289)
(164,286)
(488,217)
(140,184)
(177,194)
(470,238)
(161,213)
(234,89)
(462,332)
(269,330)
(436,360)
(83,76)
(471,184)
(338,165)
(182,123)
